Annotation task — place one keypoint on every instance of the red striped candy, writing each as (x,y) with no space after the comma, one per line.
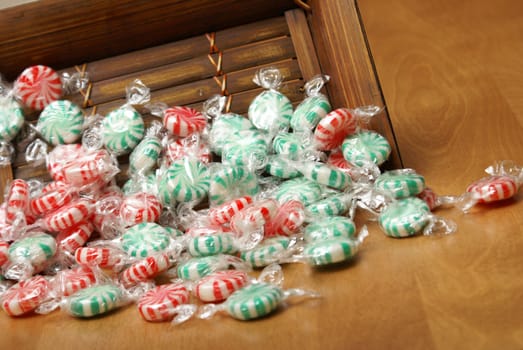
(4,248)
(430,197)
(145,269)
(223,213)
(38,86)
(493,188)
(52,198)
(76,279)
(159,303)
(219,285)
(253,218)
(60,156)
(96,256)
(88,169)
(140,207)
(332,130)
(25,296)
(76,237)
(17,200)
(183,121)
(336,159)
(69,216)
(187,147)
(288,220)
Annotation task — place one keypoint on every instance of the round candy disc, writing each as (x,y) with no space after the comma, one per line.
(267,252)
(219,285)
(145,269)
(324,174)
(60,156)
(25,296)
(186,180)
(280,167)
(11,119)
(223,213)
(123,129)
(183,121)
(366,146)
(493,188)
(224,126)
(17,200)
(97,256)
(310,112)
(230,182)
(159,303)
(51,200)
(246,148)
(76,279)
(144,157)
(270,110)
(196,268)
(36,249)
(254,301)
(94,301)
(330,251)
(404,217)
(301,189)
(38,86)
(288,144)
(69,215)
(400,183)
(334,128)
(329,227)
(140,207)
(331,206)
(220,243)
(145,239)
(61,122)
(287,220)
(76,237)
(187,147)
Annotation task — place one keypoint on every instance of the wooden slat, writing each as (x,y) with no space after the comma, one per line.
(344,56)
(303,44)
(62,33)
(178,51)
(6,176)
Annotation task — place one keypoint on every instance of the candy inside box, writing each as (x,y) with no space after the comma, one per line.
(188,51)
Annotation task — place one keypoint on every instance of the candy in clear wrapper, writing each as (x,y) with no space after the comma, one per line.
(145,239)
(270,110)
(95,301)
(219,285)
(145,269)
(366,147)
(37,86)
(61,122)
(401,183)
(25,296)
(11,118)
(144,158)
(29,255)
(183,121)
(163,302)
(313,108)
(228,182)
(140,207)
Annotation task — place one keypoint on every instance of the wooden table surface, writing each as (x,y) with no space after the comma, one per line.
(452,78)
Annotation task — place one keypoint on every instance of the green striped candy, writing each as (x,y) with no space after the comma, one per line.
(400,184)
(325,174)
(333,205)
(301,189)
(270,110)
(279,167)
(11,119)
(145,239)
(246,148)
(309,113)
(94,301)
(186,180)
(221,243)
(329,227)
(266,252)
(196,268)
(224,127)
(144,157)
(404,217)
(288,144)
(330,251)
(61,122)
(366,146)
(229,182)
(36,249)
(123,129)
(142,184)
(254,301)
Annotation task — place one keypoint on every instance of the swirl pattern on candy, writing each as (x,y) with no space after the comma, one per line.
(493,188)
(219,243)
(219,285)
(364,147)
(308,113)
(159,304)
(246,148)
(288,144)
(301,189)
(404,217)
(223,213)
(254,301)
(145,269)
(17,200)
(281,168)
(61,122)
(224,127)
(229,182)
(196,268)
(69,215)
(123,129)
(140,207)
(145,239)
(186,180)
(330,206)
(324,174)
(329,227)
(400,183)
(144,157)
(35,250)
(330,251)
(38,86)
(76,279)
(94,301)
(271,111)
(187,147)
(76,237)
(25,296)
(266,253)
(287,220)
(11,119)
(334,128)
(183,121)
(97,256)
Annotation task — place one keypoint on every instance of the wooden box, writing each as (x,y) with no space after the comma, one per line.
(186,51)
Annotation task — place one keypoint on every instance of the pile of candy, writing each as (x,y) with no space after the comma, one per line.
(210,197)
